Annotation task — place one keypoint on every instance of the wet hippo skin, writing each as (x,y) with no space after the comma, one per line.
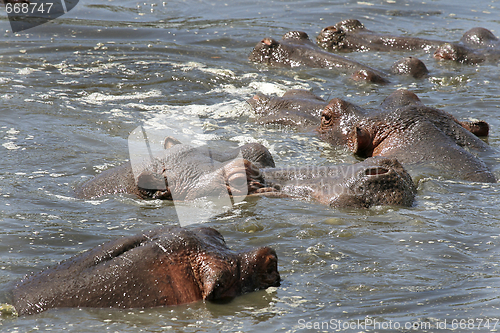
(406,129)
(184,173)
(297,108)
(376,181)
(166,266)
(302,109)
(295,49)
(410,66)
(342,185)
(476,46)
(351,35)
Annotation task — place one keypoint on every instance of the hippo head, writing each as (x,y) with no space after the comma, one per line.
(297,107)
(186,173)
(272,52)
(479,37)
(457,53)
(374,182)
(410,66)
(166,266)
(268,51)
(338,120)
(377,181)
(224,274)
(332,37)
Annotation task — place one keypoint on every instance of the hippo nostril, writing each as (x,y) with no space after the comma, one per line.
(331,28)
(376,171)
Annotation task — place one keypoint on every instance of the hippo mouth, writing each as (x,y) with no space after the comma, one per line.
(245,181)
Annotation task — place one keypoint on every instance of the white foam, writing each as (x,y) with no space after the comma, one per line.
(99,98)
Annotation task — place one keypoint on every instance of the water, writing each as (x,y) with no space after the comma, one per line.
(72,90)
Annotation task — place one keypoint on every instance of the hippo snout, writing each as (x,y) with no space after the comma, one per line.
(259,269)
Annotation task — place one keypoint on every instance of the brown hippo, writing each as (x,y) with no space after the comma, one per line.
(166,266)
(351,35)
(302,109)
(406,129)
(476,46)
(376,181)
(296,49)
(410,66)
(183,173)
(190,174)
(297,108)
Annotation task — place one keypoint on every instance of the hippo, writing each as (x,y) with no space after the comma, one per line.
(410,67)
(302,109)
(415,134)
(296,108)
(296,49)
(376,181)
(165,266)
(477,45)
(351,35)
(191,174)
(185,172)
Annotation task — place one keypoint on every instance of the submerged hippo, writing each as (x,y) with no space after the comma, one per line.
(295,49)
(376,181)
(184,173)
(167,266)
(406,129)
(351,35)
(297,108)
(476,46)
(302,109)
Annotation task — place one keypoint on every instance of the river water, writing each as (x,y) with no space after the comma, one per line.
(73,89)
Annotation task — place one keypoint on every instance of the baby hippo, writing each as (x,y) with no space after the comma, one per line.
(166,266)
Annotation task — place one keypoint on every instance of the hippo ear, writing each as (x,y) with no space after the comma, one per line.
(476,127)
(169,142)
(219,282)
(360,142)
(298,35)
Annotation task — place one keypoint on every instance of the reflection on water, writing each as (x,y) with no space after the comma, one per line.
(72,91)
